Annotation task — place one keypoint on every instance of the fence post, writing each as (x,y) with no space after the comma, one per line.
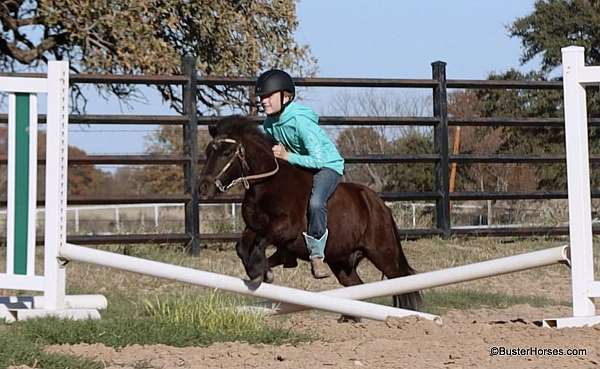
(440,111)
(190,144)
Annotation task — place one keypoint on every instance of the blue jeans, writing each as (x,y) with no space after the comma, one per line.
(324,183)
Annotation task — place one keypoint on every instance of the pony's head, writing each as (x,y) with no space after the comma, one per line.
(227,162)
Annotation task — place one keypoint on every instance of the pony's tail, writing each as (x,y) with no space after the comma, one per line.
(409,300)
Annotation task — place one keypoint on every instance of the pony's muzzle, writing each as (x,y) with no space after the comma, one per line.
(206,188)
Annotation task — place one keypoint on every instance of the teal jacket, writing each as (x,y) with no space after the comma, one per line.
(297,128)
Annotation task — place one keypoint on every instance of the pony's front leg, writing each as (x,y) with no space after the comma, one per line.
(251,250)
(244,246)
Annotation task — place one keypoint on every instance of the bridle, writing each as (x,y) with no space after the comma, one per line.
(240,153)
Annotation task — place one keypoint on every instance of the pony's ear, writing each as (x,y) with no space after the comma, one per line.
(212,130)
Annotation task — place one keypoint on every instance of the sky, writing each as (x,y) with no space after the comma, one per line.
(400,39)
(364,38)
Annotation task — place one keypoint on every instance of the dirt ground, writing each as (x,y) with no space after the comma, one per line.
(466,339)
(472,338)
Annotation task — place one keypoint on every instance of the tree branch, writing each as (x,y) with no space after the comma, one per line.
(27,56)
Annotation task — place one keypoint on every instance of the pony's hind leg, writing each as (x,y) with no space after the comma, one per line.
(347,276)
(394,266)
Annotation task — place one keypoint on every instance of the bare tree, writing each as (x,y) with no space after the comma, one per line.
(486,141)
(374,140)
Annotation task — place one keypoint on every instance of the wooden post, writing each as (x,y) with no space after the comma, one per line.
(190,140)
(440,111)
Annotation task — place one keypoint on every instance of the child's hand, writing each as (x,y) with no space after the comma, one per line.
(280,152)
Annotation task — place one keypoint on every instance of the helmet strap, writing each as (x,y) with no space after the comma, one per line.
(283,106)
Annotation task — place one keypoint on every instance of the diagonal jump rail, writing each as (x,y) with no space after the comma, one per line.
(438,278)
(214,280)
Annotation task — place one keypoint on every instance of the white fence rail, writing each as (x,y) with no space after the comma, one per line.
(158,216)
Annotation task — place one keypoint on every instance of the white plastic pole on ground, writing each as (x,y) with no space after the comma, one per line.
(227,283)
(438,278)
(76,302)
(578,181)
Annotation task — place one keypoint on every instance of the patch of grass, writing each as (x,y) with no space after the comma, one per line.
(181,321)
(175,320)
(20,350)
(213,313)
(439,302)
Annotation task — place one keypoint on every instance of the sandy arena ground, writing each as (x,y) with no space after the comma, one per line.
(464,340)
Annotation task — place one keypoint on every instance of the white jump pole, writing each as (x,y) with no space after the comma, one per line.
(232,284)
(575,77)
(438,278)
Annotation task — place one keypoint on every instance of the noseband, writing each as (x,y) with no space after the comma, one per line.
(240,154)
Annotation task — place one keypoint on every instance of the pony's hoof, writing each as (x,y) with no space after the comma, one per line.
(269,277)
(255,283)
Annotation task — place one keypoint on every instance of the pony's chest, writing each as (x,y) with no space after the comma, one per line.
(256,215)
(267,211)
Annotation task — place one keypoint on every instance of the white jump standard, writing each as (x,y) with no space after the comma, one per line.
(21,201)
(583,286)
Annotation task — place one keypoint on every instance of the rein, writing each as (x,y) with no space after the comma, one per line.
(240,153)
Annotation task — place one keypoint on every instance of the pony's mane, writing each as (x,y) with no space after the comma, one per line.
(239,125)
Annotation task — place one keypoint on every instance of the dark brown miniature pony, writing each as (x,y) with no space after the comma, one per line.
(275,211)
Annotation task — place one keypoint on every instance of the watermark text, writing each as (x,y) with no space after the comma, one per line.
(537,351)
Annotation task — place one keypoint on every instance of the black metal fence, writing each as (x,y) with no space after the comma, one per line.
(189,159)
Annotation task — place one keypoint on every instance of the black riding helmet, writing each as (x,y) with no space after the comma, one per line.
(272,81)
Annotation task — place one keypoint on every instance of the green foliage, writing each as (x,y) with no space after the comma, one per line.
(552,25)
(412,177)
(393,177)
(555,24)
(517,103)
(181,321)
(533,141)
(520,103)
(217,316)
(228,38)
